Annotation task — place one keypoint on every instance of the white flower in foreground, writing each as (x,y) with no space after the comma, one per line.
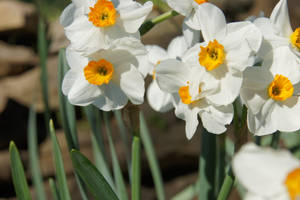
(107,78)
(267,174)
(187,8)
(227,51)
(277,30)
(271,93)
(191,87)
(91,25)
(159,100)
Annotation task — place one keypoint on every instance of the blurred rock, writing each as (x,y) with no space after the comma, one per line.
(26,86)
(57,36)
(15,59)
(16,15)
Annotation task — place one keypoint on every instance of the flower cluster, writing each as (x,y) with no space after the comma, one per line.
(201,78)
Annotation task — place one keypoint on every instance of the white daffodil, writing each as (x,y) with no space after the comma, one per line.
(226,51)
(190,88)
(277,30)
(267,173)
(271,93)
(107,78)
(187,8)
(91,25)
(159,100)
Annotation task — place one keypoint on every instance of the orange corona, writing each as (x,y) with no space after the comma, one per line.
(280,88)
(103,14)
(99,72)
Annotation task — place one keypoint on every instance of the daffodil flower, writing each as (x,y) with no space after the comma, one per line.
(226,51)
(271,93)
(159,100)
(107,78)
(277,30)
(190,88)
(267,173)
(91,25)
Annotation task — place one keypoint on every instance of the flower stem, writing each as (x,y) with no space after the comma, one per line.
(227,185)
(148,25)
(275,140)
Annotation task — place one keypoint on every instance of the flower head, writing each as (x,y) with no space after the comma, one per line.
(267,173)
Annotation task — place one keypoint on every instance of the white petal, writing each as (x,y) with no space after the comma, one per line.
(261,123)
(263,170)
(158,100)
(156,53)
(192,20)
(68,15)
(115,98)
(68,81)
(215,119)
(257,78)
(281,20)
(286,115)
(250,196)
(75,60)
(172,74)
(230,87)
(284,62)
(191,122)
(133,85)
(212,20)
(191,36)
(182,7)
(83,93)
(177,47)
(134,15)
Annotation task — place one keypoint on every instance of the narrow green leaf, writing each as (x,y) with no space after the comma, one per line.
(207,166)
(154,167)
(43,54)
(220,162)
(66,109)
(136,168)
(188,193)
(94,180)
(94,119)
(18,175)
(59,166)
(54,189)
(119,180)
(124,137)
(34,157)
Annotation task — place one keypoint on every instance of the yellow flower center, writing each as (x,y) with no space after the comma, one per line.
(103,14)
(292,182)
(200,1)
(212,56)
(99,72)
(280,88)
(185,96)
(295,38)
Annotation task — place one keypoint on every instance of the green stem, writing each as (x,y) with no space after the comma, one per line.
(221,163)
(148,25)
(136,168)
(226,187)
(275,140)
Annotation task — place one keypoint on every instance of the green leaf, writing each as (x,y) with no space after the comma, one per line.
(207,166)
(59,166)
(136,168)
(150,153)
(95,122)
(33,156)
(18,175)
(94,180)
(43,54)
(119,180)
(226,186)
(54,189)
(66,109)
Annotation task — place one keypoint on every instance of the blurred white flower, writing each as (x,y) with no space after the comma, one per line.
(190,88)
(107,78)
(91,25)
(159,100)
(267,173)
(226,51)
(271,93)
(277,30)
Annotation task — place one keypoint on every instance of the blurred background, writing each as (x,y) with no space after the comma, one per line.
(20,86)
